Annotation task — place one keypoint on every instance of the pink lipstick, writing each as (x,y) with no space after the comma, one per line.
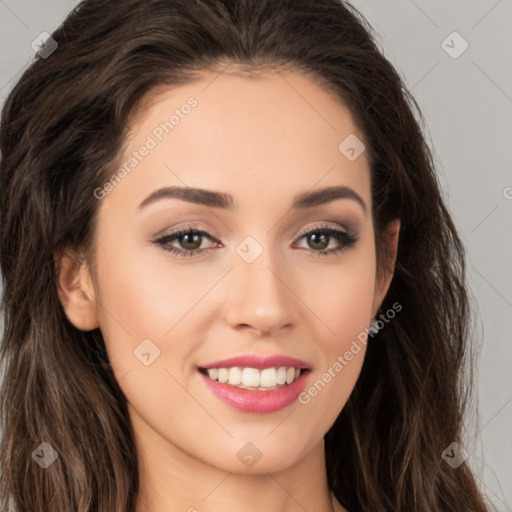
(256,384)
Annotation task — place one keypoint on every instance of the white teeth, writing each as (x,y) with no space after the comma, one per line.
(269,378)
(235,376)
(250,377)
(253,378)
(223,375)
(281,375)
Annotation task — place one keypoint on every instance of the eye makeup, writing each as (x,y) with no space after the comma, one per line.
(190,235)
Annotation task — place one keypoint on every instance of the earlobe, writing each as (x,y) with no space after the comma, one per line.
(76,292)
(385,276)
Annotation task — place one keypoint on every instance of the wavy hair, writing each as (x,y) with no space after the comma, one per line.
(62,131)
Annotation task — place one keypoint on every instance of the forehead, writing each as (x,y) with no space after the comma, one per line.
(281,130)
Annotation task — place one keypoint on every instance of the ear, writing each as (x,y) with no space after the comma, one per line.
(76,291)
(385,275)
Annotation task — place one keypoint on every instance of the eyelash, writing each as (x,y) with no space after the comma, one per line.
(346,238)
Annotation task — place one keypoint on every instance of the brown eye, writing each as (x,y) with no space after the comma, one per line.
(189,241)
(318,239)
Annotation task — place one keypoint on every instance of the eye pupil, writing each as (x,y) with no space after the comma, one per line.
(185,244)
(319,244)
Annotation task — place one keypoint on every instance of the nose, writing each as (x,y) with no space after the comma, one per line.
(260,295)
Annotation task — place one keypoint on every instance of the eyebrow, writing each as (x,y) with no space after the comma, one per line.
(222,200)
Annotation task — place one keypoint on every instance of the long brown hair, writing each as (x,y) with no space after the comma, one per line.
(62,131)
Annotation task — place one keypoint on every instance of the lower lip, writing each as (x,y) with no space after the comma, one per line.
(257,401)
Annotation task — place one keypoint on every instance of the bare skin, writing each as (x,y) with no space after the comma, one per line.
(263,141)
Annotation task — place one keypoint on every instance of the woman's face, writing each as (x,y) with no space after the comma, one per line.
(252,284)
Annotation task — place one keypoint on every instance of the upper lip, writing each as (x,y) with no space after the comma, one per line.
(252,361)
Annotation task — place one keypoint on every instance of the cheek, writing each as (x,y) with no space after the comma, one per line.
(344,304)
(342,295)
(150,291)
(131,305)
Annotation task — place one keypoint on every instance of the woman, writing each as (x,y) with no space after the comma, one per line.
(230,278)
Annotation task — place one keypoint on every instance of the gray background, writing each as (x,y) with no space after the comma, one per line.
(467,103)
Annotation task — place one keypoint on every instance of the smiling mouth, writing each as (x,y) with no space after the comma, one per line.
(266,379)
